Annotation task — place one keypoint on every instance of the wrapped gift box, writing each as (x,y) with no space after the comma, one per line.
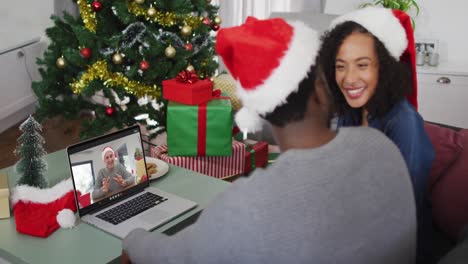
(202,130)
(194,93)
(218,167)
(256,155)
(4,197)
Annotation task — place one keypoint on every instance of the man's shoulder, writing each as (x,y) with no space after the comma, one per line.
(369,141)
(363,135)
(101,172)
(120,167)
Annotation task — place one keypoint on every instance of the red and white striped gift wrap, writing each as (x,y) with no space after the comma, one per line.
(218,167)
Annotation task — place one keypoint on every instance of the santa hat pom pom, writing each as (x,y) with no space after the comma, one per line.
(248,120)
(66,218)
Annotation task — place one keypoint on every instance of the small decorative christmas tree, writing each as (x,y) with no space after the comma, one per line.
(30,149)
(138,154)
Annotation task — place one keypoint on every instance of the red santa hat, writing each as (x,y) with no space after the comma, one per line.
(39,212)
(394,29)
(268,58)
(107,149)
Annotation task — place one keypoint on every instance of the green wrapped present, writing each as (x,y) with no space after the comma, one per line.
(200,130)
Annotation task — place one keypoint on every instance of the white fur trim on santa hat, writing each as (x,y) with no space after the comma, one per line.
(66,218)
(105,150)
(382,23)
(285,79)
(28,193)
(248,120)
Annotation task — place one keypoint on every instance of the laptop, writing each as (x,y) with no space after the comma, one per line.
(112,188)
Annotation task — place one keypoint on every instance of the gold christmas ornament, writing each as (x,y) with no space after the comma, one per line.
(217,20)
(88,15)
(117,58)
(170,52)
(99,71)
(190,68)
(61,63)
(151,12)
(186,30)
(139,1)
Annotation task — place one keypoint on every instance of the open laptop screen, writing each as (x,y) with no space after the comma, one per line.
(107,169)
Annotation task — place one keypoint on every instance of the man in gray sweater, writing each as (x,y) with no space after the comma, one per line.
(330,197)
(114,177)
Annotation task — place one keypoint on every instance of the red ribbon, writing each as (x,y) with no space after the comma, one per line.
(216,94)
(202,123)
(201,144)
(187,77)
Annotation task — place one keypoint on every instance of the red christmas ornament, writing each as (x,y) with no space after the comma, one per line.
(110,111)
(215,27)
(188,46)
(206,21)
(97,6)
(144,65)
(85,53)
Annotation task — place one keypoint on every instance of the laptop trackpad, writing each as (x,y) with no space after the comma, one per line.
(154,216)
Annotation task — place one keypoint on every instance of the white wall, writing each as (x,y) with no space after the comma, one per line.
(22,20)
(21,23)
(22,40)
(444,21)
(234,12)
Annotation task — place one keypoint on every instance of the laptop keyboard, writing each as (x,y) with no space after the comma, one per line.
(131,208)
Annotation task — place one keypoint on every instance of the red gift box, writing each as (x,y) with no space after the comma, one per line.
(256,155)
(194,93)
(216,166)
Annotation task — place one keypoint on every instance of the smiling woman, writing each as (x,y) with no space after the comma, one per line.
(368,57)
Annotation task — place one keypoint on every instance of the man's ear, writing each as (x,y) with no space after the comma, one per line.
(321,94)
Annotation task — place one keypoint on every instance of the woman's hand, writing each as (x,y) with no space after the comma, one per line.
(120,180)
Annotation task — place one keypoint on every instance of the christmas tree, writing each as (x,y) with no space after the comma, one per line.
(111,60)
(138,155)
(30,149)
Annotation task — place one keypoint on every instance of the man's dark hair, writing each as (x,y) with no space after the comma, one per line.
(395,77)
(296,103)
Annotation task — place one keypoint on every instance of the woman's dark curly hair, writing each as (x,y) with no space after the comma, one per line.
(395,77)
(296,103)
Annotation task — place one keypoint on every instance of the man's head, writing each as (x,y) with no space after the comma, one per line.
(108,156)
(273,62)
(312,91)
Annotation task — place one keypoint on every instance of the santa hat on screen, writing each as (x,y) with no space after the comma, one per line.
(394,29)
(107,149)
(39,212)
(268,58)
